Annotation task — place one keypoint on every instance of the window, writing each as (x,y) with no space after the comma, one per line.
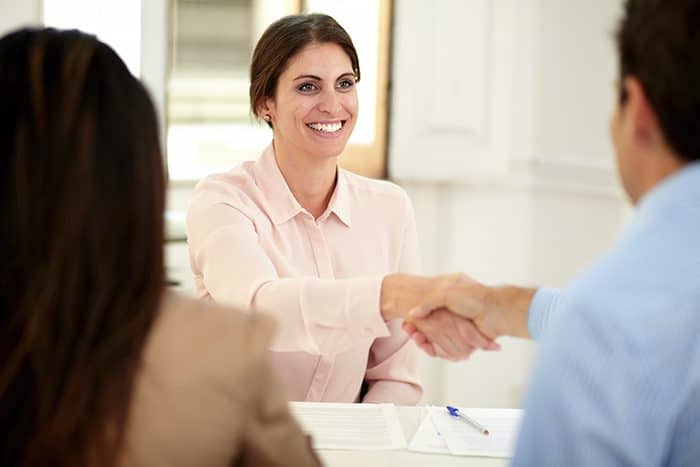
(209,125)
(115,23)
(199,74)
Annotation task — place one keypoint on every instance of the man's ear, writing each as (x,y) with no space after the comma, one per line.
(639,113)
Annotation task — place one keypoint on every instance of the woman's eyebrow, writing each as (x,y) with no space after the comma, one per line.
(308,77)
(317,78)
(346,74)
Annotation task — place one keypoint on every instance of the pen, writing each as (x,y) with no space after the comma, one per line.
(454,411)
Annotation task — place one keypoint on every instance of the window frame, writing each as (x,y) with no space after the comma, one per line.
(365,159)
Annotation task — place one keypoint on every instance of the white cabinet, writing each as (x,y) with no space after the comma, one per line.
(499,89)
(498,130)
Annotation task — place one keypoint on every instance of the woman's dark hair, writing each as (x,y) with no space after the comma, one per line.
(285,38)
(81,275)
(659,43)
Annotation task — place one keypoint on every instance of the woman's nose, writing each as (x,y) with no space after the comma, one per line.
(330,102)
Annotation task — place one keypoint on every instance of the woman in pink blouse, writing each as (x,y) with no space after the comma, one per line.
(294,236)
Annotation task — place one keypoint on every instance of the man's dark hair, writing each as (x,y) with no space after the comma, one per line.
(659,44)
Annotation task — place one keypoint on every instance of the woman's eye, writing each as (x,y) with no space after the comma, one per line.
(346,84)
(307,87)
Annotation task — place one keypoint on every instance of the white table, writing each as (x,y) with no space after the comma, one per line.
(410,418)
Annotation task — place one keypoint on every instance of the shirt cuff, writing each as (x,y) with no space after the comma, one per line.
(363,298)
(543,302)
(340,313)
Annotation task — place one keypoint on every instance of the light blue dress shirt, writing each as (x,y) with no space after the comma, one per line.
(617,377)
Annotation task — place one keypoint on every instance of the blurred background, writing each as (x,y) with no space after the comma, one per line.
(492,114)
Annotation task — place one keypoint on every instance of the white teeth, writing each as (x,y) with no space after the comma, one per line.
(326,127)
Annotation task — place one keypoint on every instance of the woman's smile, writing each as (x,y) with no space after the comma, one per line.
(327,129)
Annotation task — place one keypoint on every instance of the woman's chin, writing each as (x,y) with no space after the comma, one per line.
(327,151)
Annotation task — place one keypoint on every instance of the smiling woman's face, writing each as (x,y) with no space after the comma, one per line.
(315,105)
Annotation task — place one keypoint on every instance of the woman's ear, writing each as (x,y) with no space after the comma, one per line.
(265,109)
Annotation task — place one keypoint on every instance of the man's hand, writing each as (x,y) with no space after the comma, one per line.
(463,296)
(494,311)
(447,335)
(444,334)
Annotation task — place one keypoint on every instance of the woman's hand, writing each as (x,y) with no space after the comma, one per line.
(402,293)
(446,335)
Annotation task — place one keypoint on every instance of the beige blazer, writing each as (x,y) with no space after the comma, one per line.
(206,396)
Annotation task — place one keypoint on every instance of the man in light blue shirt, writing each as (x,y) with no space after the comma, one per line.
(617,380)
(617,377)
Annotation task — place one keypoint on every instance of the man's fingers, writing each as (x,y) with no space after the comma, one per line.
(419,338)
(440,352)
(428,348)
(451,347)
(408,328)
(476,338)
(493,346)
(444,330)
(423,343)
(421,311)
(456,337)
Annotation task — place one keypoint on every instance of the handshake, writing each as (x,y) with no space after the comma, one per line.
(452,315)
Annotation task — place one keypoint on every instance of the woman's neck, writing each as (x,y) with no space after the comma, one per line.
(311,181)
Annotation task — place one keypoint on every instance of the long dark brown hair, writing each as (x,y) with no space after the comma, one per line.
(81,259)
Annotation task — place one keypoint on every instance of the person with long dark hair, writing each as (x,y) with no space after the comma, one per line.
(100,364)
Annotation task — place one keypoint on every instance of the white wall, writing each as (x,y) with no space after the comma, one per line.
(154,58)
(498,131)
(18,13)
(513,181)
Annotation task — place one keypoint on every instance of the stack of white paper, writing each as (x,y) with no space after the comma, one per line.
(442,433)
(359,427)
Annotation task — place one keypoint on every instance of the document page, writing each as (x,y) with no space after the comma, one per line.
(428,439)
(462,439)
(355,427)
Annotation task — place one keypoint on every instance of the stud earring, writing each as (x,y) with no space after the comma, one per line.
(267,118)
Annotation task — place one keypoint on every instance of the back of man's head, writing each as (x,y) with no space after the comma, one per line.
(659,44)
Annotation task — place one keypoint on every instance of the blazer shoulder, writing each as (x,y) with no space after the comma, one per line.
(203,340)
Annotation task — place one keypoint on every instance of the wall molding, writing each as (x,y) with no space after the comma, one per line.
(540,175)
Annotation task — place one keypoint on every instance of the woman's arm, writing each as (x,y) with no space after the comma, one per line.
(392,368)
(315,316)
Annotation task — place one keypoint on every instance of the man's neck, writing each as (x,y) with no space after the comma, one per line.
(661,166)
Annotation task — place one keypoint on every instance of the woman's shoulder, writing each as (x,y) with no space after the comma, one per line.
(196,383)
(365,187)
(238,181)
(206,339)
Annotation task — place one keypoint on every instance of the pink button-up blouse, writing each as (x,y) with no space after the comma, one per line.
(254,247)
